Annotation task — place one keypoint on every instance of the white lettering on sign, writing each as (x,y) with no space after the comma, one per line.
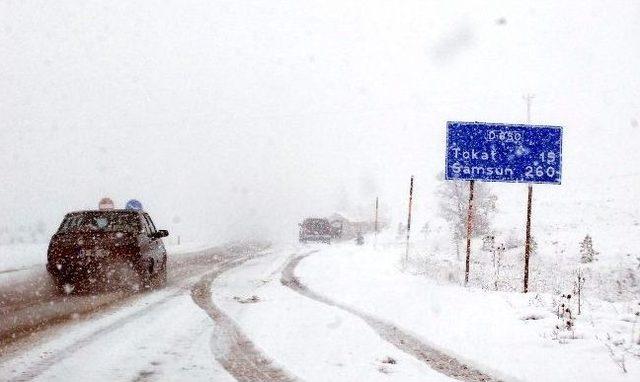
(505,136)
(543,168)
(539,171)
(548,157)
(473,154)
(457,169)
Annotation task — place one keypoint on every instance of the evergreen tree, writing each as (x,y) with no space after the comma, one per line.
(587,253)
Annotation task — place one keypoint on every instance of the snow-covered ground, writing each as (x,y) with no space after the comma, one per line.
(21,256)
(508,335)
(562,217)
(189,247)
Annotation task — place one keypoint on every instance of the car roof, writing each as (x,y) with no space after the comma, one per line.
(316,219)
(118,211)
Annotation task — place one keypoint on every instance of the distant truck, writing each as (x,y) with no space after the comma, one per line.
(315,229)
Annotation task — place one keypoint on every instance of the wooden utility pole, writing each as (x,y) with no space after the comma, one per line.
(375,227)
(406,255)
(469,229)
(527,243)
(376,220)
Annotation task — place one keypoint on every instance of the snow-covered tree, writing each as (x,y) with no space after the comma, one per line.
(454,203)
(587,253)
(401,230)
(425,230)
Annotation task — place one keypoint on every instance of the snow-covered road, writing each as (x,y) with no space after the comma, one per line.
(153,335)
(30,303)
(223,316)
(288,313)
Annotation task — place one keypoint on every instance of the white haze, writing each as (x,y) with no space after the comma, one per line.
(236,118)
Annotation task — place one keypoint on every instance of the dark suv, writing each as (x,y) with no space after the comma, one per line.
(315,229)
(114,248)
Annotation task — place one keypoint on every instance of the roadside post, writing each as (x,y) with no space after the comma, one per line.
(375,226)
(510,153)
(406,254)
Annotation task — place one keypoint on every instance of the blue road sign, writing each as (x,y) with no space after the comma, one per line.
(496,152)
(133,205)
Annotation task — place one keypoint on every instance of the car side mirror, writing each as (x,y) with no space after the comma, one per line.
(159,234)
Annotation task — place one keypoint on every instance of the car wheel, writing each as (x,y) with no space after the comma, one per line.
(160,277)
(147,276)
(62,288)
(130,277)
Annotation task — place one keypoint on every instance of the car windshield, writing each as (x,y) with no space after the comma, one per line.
(101,221)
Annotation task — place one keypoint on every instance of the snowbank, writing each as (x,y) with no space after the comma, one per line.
(509,335)
(22,256)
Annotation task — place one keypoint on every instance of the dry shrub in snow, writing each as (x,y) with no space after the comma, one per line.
(514,239)
(578,283)
(565,326)
(621,343)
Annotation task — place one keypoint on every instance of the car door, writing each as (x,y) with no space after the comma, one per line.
(147,242)
(156,247)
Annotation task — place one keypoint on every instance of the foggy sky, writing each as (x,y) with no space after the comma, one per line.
(236,118)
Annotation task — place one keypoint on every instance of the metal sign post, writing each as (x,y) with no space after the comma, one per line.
(469,228)
(527,241)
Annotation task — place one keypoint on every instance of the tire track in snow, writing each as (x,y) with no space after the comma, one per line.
(37,369)
(232,348)
(41,367)
(389,332)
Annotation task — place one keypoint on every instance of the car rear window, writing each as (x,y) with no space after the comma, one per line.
(316,224)
(101,221)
